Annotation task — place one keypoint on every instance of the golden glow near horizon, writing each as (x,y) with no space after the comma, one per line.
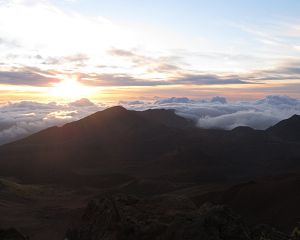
(70,89)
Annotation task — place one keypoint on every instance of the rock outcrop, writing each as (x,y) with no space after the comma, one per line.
(165,218)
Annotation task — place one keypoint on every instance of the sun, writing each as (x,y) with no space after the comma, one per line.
(70,88)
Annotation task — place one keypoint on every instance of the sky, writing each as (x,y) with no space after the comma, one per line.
(221,63)
(131,50)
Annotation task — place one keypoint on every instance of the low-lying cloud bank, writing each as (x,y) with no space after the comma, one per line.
(219,113)
(21,119)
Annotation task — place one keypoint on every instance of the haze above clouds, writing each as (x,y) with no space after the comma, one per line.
(21,119)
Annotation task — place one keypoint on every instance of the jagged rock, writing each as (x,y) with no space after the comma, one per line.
(11,234)
(266,232)
(162,218)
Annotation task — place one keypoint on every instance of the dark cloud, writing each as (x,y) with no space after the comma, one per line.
(127,80)
(118,80)
(175,75)
(27,76)
(218,99)
(173,100)
(287,71)
(36,77)
(207,79)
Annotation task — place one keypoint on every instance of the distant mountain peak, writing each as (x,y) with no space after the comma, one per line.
(111,110)
(288,129)
(242,129)
(294,117)
(115,109)
(290,122)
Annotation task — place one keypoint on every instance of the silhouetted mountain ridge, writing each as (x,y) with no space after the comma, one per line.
(116,119)
(151,143)
(288,129)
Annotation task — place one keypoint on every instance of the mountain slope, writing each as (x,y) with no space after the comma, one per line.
(273,200)
(153,143)
(105,140)
(288,129)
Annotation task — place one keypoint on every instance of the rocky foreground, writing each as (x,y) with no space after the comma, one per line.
(165,218)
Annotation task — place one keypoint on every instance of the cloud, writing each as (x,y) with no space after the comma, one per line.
(84,102)
(218,99)
(121,79)
(27,76)
(279,101)
(208,79)
(162,64)
(251,118)
(118,80)
(121,53)
(77,59)
(21,119)
(219,113)
(174,100)
(44,35)
(34,76)
(46,29)
(288,70)
(137,102)
(259,114)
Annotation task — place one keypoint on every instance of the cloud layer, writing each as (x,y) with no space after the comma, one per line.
(21,119)
(219,113)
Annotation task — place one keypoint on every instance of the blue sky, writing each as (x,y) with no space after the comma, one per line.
(239,49)
(168,11)
(190,15)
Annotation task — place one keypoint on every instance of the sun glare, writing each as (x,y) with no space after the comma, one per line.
(70,88)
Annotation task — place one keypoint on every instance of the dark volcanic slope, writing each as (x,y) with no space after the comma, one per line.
(272,200)
(288,129)
(153,143)
(104,140)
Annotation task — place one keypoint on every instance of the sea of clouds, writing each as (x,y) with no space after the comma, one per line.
(20,119)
